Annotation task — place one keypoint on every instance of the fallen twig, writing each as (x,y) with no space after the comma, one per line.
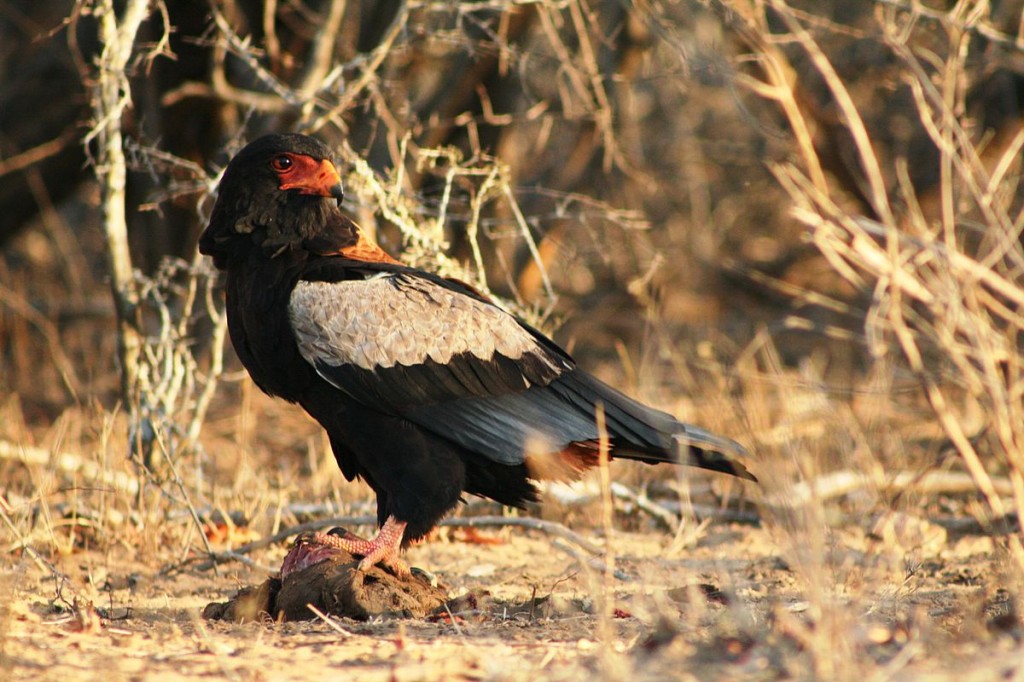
(548,527)
(69,463)
(846,481)
(330,622)
(669,519)
(667,511)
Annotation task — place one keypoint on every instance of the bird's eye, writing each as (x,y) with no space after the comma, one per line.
(282,163)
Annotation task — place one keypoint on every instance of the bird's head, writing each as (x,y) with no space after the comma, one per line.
(280,192)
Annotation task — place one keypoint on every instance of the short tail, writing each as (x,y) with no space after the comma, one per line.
(645,434)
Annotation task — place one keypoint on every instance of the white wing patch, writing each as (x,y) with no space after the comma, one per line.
(395,320)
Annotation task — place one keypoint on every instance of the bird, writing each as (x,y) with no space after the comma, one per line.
(428,390)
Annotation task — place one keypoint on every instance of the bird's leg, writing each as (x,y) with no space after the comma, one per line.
(383,549)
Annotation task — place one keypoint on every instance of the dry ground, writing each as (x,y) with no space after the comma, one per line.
(732,606)
(826,590)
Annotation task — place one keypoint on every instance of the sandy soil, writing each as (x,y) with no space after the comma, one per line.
(740,602)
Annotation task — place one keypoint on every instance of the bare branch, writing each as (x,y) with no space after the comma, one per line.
(111,99)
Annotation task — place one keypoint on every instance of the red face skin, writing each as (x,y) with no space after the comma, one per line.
(307,175)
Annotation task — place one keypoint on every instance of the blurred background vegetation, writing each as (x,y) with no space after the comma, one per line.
(798,221)
(625,136)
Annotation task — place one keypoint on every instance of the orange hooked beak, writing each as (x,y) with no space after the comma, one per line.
(315,178)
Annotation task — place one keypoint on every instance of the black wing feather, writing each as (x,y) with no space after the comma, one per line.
(507,427)
(504,409)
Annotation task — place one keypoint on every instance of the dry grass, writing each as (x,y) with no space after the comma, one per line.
(876,377)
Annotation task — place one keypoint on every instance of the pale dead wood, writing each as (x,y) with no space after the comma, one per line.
(943,18)
(369,73)
(826,487)
(931,295)
(321,54)
(855,123)
(844,482)
(112,98)
(668,518)
(779,84)
(280,96)
(70,464)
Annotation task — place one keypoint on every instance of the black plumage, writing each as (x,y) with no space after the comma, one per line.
(426,389)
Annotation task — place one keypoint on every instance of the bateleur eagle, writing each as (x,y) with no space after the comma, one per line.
(427,390)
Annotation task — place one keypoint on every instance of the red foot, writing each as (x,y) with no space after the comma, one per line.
(382,550)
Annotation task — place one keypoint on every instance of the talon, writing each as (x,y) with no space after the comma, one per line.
(398,567)
(345,534)
(424,575)
(382,550)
